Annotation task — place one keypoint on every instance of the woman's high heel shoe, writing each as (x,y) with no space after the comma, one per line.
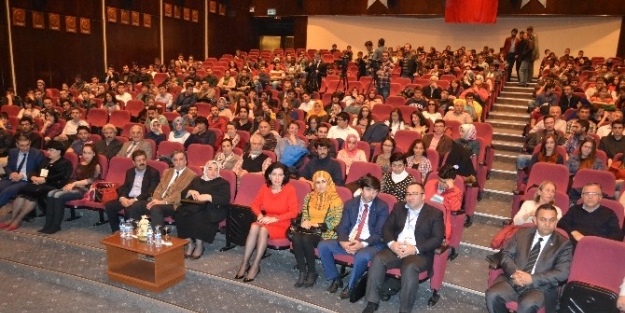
(5,225)
(194,256)
(188,255)
(247,280)
(247,268)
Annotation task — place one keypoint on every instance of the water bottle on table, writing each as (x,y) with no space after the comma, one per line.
(150,233)
(158,241)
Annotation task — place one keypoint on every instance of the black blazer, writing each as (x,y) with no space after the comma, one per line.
(429,230)
(151,178)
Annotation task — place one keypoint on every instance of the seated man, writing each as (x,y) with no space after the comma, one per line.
(22,160)
(166,196)
(139,184)
(137,142)
(153,114)
(215,120)
(613,143)
(322,132)
(82,138)
(359,234)
(253,161)
(458,114)
(201,134)
(583,114)
(412,232)
(342,128)
(438,140)
(530,283)
(560,124)
(109,146)
(185,100)
(534,139)
(591,218)
(71,127)
(606,128)
(322,162)
(164,96)
(270,137)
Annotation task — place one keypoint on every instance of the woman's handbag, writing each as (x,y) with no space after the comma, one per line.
(101,191)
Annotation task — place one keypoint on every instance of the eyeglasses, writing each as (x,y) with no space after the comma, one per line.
(414,193)
(591,194)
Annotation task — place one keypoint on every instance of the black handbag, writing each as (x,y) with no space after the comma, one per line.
(578,297)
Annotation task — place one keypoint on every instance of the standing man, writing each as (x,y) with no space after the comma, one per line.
(524,56)
(535,260)
(412,232)
(166,197)
(139,185)
(359,234)
(384,75)
(533,38)
(510,46)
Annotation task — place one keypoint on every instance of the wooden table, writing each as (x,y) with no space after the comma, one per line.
(135,263)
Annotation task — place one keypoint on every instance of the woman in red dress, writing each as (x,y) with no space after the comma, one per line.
(275,205)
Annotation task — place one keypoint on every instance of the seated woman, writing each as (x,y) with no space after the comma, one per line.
(85,173)
(317,110)
(460,157)
(548,152)
(371,98)
(468,139)
(110,103)
(275,205)
(395,121)
(335,109)
(314,122)
(156,132)
(418,160)
(51,126)
(432,112)
(363,120)
(179,132)
(289,139)
(350,154)
(384,158)
(322,206)
(232,135)
(585,158)
(53,173)
(396,182)
(29,110)
(545,193)
(227,159)
(418,123)
(198,221)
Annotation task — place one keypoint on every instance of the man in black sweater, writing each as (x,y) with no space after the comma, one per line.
(323,163)
(591,218)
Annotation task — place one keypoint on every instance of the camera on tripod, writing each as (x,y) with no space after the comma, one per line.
(342,63)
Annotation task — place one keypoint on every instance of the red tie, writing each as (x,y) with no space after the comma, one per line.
(363,220)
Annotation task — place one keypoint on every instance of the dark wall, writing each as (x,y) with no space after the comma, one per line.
(56,56)
(5,63)
(433,7)
(231,31)
(128,43)
(182,36)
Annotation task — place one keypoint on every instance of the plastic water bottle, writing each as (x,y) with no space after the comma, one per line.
(158,241)
(122,228)
(150,233)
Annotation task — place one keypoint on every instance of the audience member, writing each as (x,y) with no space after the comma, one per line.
(109,146)
(397,180)
(322,162)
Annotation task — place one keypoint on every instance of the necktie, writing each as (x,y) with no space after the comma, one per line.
(363,220)
(19,167)
(531,260)
(131,148)
(165,194)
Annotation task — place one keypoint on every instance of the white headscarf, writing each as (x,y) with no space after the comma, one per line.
(204,175)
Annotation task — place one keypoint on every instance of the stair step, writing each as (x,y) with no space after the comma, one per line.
(497,123)
(498,184)
(506,136)
(504,107)
(480,234)
(507,156)
(510,116)
(506,165)
(468,270)
(516,88)
(507,146)
(521,94)
(497,173)
(513,100)
(495,202)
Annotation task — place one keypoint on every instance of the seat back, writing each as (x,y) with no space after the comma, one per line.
(364,146)
(271,155)
(166,148)
(251,183)
(603,178)
(359,169)
(344,193)
(72,157)
(118,167)
(198,154)
(541,171)
(135,107)
(97,117)
(405,138)
(617,207)
(302,188)
(415,173)
(598,261)
(119,117)
(158,165)
(104,165)
(433,156)
(389,199)
(231,178)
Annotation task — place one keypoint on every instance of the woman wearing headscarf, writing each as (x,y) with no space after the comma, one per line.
(178,133)
(156,132)
(350,154)
(203,207)
(468,139)
(317,110)
(322,209)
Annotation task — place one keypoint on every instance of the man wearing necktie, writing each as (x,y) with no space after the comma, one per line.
(535,260)
(166,197)
(22,160)
(412,232)
(360,235)
(136,143)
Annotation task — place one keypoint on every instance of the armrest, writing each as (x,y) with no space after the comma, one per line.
(441,249)
(494,260)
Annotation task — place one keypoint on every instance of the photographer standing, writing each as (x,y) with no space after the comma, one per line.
(316,70)
(384,75)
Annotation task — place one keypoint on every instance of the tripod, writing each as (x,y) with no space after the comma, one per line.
(342,79)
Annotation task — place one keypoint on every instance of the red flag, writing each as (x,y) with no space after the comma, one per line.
(474,11)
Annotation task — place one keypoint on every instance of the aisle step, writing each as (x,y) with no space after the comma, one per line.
(519,94)
(503,107)
(506,124)
(513,100)
(501,145)
(509,116)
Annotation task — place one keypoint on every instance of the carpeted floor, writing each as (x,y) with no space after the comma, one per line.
(72,265)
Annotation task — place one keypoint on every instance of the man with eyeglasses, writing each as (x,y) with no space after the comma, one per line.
(591,218)
(412,232)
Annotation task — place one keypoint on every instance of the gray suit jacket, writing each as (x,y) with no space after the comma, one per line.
(143,145)
(552,267)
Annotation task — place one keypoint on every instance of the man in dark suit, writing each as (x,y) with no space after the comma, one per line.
(139,185)
(510,48)
(360,235)
(535,260)
(316,70)
(443,142)
(412,232)
(22,160)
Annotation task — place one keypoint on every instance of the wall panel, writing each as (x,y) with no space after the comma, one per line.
(182,36)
